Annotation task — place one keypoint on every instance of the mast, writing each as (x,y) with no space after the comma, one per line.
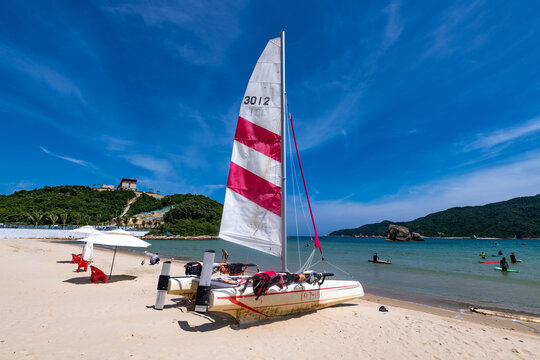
(283,160)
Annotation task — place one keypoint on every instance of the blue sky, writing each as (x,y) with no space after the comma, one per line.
(401,108)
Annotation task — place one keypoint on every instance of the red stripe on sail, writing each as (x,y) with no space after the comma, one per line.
(258,138)
(255,188)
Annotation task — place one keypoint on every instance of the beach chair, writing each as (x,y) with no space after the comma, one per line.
(75,258)
(97,275)
(82,264)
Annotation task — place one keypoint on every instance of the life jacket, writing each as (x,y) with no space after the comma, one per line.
(261,283)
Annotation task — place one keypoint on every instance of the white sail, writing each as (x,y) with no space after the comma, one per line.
(252,208)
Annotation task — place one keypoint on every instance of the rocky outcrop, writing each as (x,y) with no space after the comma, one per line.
(401,233)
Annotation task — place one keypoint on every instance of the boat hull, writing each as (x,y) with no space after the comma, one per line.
(244,306)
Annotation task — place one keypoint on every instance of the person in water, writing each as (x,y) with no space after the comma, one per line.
(500,252)
(224,254)
(513,258)
(504,264)
(483,255)
(375,257)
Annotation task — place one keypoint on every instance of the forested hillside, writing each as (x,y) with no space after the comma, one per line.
(518,217)
(68,204)
(192,215)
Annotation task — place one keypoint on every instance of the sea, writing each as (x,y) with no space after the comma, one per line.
(440,272)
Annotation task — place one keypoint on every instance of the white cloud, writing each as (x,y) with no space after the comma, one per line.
(39,72)
(70,159)
(148,162)
(504,136)
(521,178)
(220,28)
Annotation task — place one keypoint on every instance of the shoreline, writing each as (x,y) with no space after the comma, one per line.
(414,300)
(50,311)
(445,303)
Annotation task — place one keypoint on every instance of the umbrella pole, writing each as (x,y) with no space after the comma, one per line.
(114,256)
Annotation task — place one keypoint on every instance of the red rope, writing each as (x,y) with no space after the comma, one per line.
(317,242)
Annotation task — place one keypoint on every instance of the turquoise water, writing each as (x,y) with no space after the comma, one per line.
(446,268)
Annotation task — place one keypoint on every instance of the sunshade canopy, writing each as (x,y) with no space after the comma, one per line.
(116,240)
(88,230)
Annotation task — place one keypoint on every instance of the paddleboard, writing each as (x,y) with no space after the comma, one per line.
(498,268)
(488,262)
(496,255)
(380,261)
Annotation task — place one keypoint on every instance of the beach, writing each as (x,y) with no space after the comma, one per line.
(49,311)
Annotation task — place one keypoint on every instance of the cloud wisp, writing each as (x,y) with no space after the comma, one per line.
(67,158)
(504,136)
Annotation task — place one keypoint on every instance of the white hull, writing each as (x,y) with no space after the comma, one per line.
(244,306)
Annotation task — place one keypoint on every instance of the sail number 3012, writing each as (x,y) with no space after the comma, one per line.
(256,100)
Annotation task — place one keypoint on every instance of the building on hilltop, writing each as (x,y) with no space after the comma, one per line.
(128,184)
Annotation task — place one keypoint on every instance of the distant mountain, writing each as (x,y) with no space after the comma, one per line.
(519,217)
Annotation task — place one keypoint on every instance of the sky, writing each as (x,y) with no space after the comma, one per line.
(401,108)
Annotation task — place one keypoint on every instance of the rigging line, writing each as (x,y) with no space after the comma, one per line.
(306,221)
(340,269)
(308,261)
(294,196)
(296,190)
(317,242)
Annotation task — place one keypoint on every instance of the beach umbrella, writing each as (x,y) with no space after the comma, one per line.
(116,238)
(85,230)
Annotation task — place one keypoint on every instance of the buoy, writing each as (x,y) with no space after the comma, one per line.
(163,285)
(203,290)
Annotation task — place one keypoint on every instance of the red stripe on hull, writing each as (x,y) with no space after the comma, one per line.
(271,306)
(295,291)
(258,138)
(255,188)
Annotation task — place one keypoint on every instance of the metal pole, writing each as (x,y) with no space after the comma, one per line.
(283,160)
(114,256)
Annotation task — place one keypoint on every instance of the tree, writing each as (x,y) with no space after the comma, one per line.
(53,218)
(35,217)
(64,217)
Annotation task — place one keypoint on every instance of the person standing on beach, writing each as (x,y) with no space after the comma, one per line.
(224,254)
(504,264)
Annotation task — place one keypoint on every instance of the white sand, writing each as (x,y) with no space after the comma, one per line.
(49,311)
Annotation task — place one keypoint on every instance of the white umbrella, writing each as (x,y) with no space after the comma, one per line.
(116,238)
(85,230)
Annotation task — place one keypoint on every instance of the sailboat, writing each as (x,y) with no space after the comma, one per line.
(254,214)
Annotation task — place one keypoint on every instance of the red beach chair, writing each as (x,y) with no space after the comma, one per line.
(82,264)
(75,258)
(97,275)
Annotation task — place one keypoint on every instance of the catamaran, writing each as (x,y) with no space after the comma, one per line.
(254,215)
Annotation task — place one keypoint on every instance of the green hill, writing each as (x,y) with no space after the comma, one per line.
(192,215)
(63,205)
(518,217)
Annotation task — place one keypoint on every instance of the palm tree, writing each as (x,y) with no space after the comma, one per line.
(77,217)
(35,217)
(53,218)
(64,217)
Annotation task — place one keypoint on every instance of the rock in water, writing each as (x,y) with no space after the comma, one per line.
(401,233)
